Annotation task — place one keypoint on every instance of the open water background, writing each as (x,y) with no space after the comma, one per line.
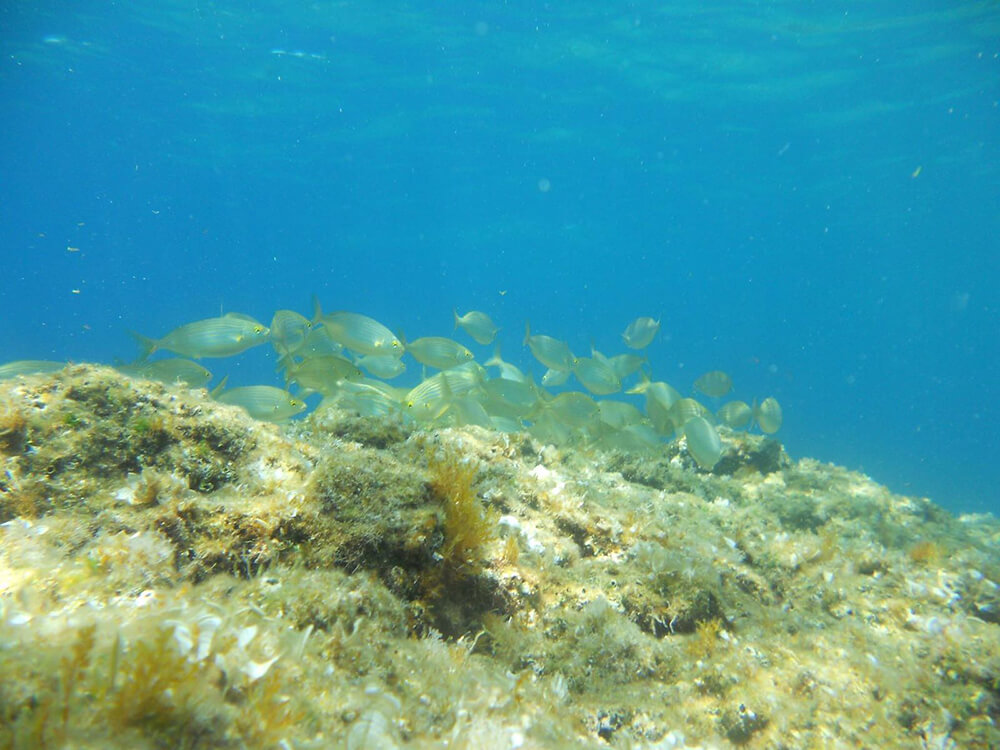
(807,193)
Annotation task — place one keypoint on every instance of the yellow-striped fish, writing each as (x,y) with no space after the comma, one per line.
(552,353)
(213,337)
(714,384)
(703,442)
(264,402)
(288,331)
(768,415)
(597,376)
(29,367)
(640,333)
(735,414)
(439,352)
(478,325)
(357,332)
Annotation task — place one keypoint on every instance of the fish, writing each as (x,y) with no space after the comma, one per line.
(573,409)
(507,370)
(288,331)
(735,414)
(505,424)
(619,414)
(625,364)
(367,398)
(552,353)
(596,376)
(660,397)
(317,343)
(321,374)
(555,378)
(478,325)
(509,398)
(171,370)
(386,366)
(432,397)
(703,442)
(767,414)
(714,384)
(467,410)
(640,333)
(224,336)
(438,351)
(263,402)
(549,428)
(639,438)
(686,409)
(358,332)
(29,367)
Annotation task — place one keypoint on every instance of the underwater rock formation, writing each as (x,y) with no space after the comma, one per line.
(174,573)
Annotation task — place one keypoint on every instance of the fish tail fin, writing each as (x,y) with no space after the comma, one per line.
(454,311)
(495,360)
(527,332)
(642,385)
(317,310)
(146,345)
(219,388)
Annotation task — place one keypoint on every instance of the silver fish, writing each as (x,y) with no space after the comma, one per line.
(703,442)
(213,337)
(438,351)
(357,332)
(507,370)
(552,353)
(321,374)
(478,325)
(29,367)
(768,415)
(387,366)
(626,364)
(735,414)
(640,333)
(714,384)
(288,331)
(264,402)
(597,376)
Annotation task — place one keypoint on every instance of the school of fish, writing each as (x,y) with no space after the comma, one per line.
(348,359)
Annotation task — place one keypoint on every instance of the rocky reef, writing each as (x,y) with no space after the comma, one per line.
(176,574)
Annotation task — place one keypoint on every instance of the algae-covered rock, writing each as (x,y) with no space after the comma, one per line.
(175,574)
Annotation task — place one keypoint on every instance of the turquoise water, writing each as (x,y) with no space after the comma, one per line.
(806,193)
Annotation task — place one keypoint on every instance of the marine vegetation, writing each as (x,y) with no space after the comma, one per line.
(468,525)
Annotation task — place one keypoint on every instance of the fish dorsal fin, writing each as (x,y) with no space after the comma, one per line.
(241,316)
(214,393)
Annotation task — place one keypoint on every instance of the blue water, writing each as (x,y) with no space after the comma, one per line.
(807,193)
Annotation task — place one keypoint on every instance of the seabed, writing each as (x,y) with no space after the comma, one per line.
(174,574)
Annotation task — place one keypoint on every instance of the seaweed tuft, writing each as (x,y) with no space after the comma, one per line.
(468,525)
